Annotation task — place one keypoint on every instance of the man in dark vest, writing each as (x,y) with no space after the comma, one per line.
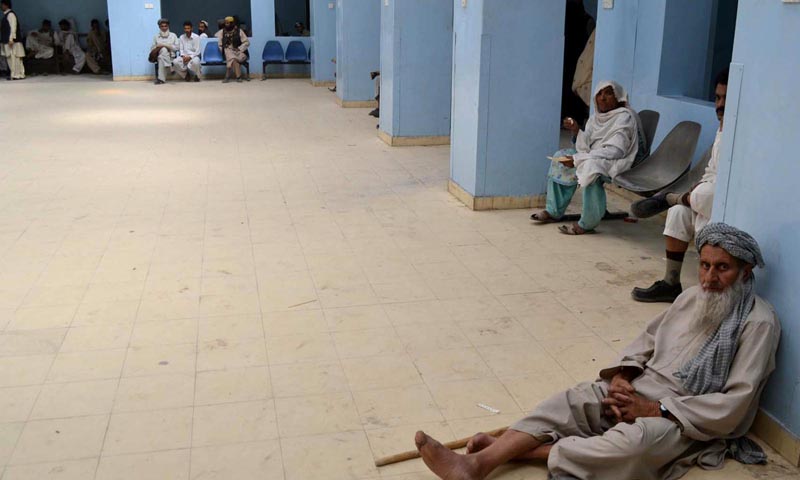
(234,43)
(11,41)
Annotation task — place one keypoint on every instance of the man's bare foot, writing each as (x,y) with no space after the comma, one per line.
(479,442)
(445,463)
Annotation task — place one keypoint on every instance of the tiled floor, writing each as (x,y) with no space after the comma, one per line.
(241,281)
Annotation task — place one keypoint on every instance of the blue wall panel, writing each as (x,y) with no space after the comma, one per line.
(758,175)
(358,30)
(323,30)
(506,104)
(416,67)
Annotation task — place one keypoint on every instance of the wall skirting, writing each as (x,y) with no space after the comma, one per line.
(356,103)
(323,84)
(413,141)
(776,436)
(134,78)
(271,75)
(494,203)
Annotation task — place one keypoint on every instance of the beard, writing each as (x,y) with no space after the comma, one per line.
(713,308)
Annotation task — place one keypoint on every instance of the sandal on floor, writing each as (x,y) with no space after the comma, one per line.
(543,217)
(574,229)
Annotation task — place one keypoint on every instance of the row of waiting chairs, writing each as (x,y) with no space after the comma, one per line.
(273,54)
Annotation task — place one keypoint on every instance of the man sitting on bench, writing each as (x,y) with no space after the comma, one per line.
(68,40)
(187,63)
(165,44)
(609,144)
(688,213)
(233,43)
(41,43)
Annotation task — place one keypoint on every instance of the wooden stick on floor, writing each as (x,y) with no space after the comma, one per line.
(412,454)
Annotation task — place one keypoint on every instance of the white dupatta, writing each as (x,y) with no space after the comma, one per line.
(604,137)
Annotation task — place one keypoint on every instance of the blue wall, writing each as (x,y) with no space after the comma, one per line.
(32,12)
(628,49)
(757,184)
(323,31)
(506,106)
(358,33)
(416,67)
(132,31)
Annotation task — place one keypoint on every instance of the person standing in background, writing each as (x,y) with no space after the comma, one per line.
(11,42)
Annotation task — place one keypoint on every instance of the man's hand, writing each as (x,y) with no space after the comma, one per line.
(10,42)
(570,163)
(627,407)
(620,384)
(186,59)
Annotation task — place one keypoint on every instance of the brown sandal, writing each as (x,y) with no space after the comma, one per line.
(574,229)
(543,217)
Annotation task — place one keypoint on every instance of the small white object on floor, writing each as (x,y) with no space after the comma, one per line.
(488,408)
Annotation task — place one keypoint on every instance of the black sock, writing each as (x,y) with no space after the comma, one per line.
(674,264)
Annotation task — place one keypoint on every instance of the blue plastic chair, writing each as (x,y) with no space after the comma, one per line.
(272,54)
(296,52)
(212,56)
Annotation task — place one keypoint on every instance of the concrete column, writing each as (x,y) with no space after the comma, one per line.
(506,100)
(132,30)
(358,25)
(416,71)
(323,29)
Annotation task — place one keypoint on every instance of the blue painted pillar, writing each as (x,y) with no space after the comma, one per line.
(323,29)
(132,29)
(358,25)
(506,100)
(416,71)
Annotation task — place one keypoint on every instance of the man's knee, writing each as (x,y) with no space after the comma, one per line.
(702,199)
(647,437)
(680,223)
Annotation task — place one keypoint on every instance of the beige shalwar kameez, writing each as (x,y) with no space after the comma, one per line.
(169,45)
(588,446)
(232,54)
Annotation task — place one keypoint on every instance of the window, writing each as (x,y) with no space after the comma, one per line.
(697,45)
(292,18)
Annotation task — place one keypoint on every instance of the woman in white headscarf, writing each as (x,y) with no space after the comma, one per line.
(609,145)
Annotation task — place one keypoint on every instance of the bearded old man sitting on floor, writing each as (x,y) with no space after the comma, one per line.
(684,393)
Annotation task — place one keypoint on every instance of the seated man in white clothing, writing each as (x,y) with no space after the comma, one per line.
(202,29)
(41,43)
(688,213)
(68,40)
(163,49)
(187,63)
